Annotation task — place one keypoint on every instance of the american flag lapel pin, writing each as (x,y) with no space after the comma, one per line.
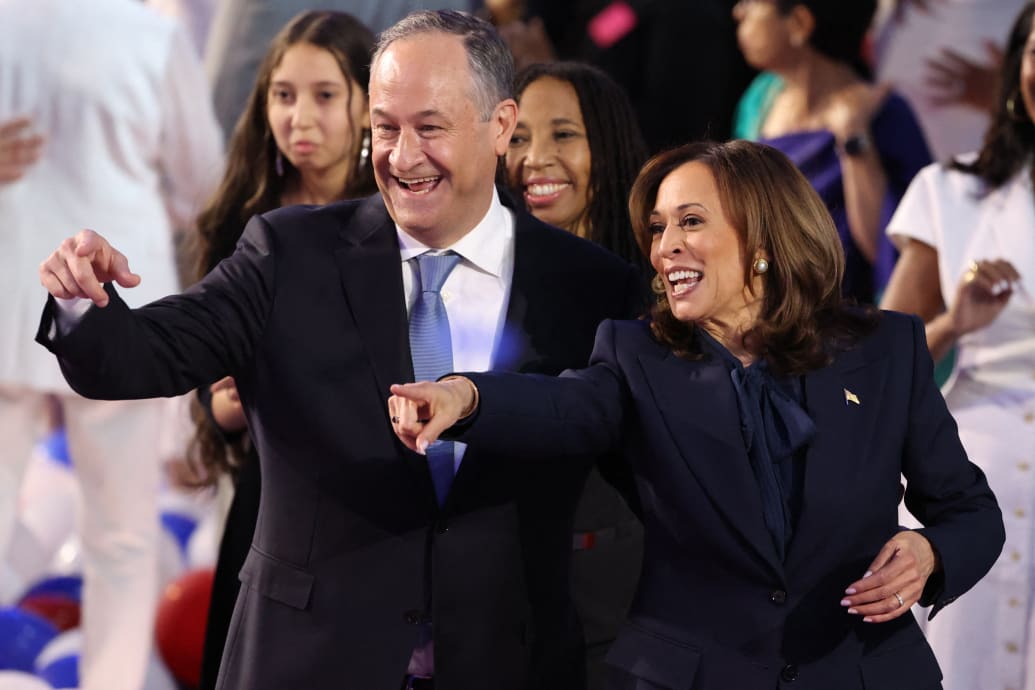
(851,397)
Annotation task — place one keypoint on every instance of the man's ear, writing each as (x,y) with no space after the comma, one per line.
(503,121)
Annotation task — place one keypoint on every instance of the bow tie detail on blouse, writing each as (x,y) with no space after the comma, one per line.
(776,431)
(775,428)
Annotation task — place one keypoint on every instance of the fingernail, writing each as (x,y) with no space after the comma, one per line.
(997,289)
(422,447)
(845,602)
(867,573)
(850,590)
(853,611)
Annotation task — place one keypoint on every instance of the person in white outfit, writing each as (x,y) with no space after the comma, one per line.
(131,146)
(967,235)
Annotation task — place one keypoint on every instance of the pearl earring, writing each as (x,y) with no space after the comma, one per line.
(760,265)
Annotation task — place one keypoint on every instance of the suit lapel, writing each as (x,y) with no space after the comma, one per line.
(515,347)
(699,407)
(371,278)
(843,400)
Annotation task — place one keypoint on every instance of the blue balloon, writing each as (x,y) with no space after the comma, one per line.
(70,586)
(180,526)
(22,636)
(63,672)
(57,447)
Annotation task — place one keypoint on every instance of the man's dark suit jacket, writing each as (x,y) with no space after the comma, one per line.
(716,609)
(351,552)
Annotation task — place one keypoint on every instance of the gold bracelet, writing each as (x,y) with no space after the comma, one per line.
(469,410)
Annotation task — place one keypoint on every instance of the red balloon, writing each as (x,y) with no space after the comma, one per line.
(180,625)
(61,610)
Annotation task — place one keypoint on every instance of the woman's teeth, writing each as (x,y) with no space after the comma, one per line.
(683,281)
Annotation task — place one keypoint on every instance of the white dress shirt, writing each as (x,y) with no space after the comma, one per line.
(476,292)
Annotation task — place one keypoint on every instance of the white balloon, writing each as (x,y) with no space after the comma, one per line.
(11,585)
(16,680)
(67,643)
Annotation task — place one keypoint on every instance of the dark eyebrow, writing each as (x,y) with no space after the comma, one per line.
(564,121)
(682,207)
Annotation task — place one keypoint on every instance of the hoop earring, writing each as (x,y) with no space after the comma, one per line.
(364,150)
(760,266)
(1011,107)
(278,164)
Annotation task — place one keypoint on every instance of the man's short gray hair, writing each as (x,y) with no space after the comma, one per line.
(490,60)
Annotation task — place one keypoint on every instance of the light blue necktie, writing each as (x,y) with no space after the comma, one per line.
(431,349)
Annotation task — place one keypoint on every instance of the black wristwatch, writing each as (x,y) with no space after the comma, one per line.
(856,145)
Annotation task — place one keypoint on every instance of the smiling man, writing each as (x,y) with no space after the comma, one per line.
(371,566)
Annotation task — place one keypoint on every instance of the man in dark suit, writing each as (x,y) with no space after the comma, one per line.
(364,572)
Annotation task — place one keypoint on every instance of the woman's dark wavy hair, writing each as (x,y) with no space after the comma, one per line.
(841,26)
(1010,138)
(616,150)
(251,185)
(776,212)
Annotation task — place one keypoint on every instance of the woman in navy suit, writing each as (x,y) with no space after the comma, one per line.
(769,425)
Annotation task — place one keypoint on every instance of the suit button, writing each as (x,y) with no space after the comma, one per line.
(415,617)
(441,527)
(789,673)
(778,596)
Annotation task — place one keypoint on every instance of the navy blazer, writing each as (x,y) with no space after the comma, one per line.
(351,551)
(716,609)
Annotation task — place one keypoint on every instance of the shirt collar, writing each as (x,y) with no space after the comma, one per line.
(484,246)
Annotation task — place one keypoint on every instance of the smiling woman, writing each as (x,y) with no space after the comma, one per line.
(575,153)
(768,424)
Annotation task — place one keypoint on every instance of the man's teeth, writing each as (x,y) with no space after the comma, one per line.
(424,184)
(546,189)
